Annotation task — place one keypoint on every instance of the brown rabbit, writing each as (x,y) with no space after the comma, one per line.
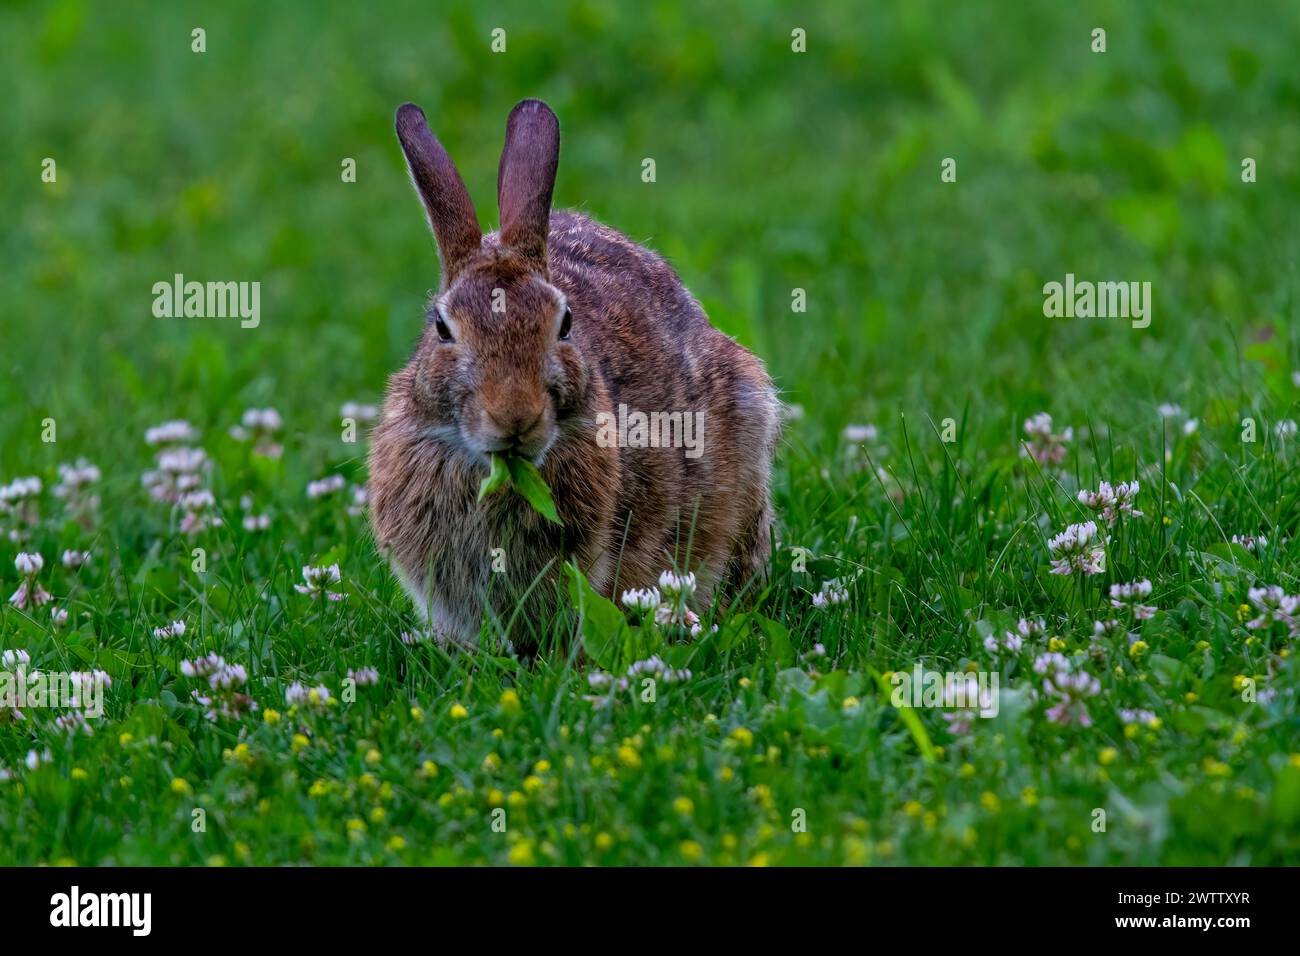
(538,336)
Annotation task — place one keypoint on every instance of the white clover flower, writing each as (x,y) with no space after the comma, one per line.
(1129,596)
(231,706)
(73,723)
(179,470)
(72,477)
(318,580)
(174,629)
(641,600)
(963,702)
(1144,717)
(74,488)
(179,461)
(1027,628)
(228,676)
(1106,628)
(677,587)
(14,660)
(1169,410)
(18,490)
(260,424)
(325,486)
(1099,500)
(1274,605)
(254,523)
(34,758)
(75,559)
(1126,497)
(58,616)
(857,434)
(203,666)
(170,433)
(667,615)
(364,677)
(1051,662)
(359,412)
(1044,445)
(1285,429)
(198,500)
(360,498)
(19,501)
(835,591)
(1071,691)
(224,700)
(266,419)
(82,682)
(1251,542)
(824,599)
(29,592)
(1110,502)
(1013,641)
(1075,550)
(300,695)
(653,665)
(1039,425)
(1190,426)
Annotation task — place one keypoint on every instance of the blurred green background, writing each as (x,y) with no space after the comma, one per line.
(775,171)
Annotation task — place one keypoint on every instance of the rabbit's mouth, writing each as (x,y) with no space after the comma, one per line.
(532,445)
(516,449)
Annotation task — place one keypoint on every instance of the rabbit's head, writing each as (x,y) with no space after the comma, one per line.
(499,366)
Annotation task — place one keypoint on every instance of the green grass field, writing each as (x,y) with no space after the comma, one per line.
(1170,738)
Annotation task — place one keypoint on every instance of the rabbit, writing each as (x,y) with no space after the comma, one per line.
(538,336)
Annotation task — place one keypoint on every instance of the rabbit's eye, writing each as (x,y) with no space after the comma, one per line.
(565,323)
(444,333)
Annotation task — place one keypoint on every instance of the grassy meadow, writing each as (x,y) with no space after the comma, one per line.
(801,197)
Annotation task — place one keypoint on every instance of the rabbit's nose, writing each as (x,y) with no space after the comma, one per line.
(511,426)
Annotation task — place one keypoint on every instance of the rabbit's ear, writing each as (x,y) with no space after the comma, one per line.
(443,192)
(526,178)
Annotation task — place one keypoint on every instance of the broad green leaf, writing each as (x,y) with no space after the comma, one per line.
(528,481)
(602,626)
(779,648)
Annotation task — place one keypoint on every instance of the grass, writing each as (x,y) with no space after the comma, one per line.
(776,171)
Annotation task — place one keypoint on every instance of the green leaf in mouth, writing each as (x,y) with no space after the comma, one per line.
(497,478)
(522,475)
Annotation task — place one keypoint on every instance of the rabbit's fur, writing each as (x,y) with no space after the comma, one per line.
(507,381)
